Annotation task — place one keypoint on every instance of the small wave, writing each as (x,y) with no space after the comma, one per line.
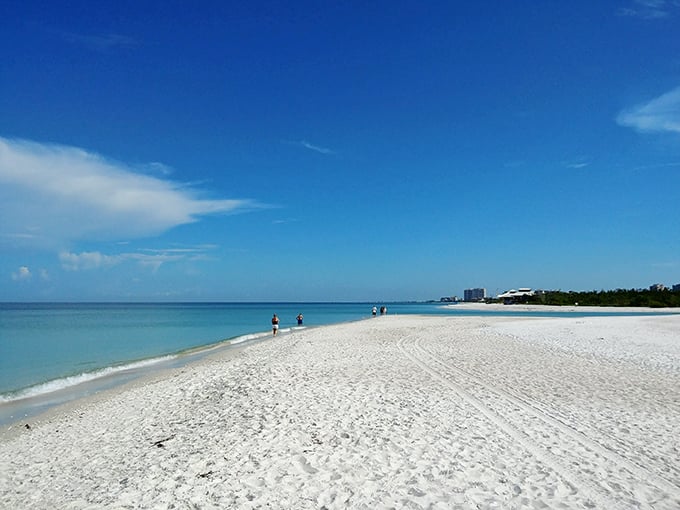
(73,380)
(84,377)
(246,338)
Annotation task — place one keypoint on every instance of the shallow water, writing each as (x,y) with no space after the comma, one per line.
(54,352)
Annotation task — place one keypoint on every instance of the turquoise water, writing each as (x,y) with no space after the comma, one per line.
(46,343)
(47,348)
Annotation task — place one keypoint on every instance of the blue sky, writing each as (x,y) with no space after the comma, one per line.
(305,151)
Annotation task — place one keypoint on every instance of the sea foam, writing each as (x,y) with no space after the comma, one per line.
(74,380)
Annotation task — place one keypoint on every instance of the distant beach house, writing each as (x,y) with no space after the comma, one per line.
(521,295)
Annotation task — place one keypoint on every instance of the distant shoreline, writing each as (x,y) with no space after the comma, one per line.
(556,308)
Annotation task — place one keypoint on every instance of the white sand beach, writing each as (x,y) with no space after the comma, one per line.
(391,412)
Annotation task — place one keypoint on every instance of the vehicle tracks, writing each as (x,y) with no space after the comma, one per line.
(579,460)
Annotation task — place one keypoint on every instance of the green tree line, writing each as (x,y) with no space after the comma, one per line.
(619,297)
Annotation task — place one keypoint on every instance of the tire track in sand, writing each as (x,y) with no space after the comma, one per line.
(506,421)
(530,406)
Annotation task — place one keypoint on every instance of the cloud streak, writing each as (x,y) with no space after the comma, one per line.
(658,115)
(88,260)
(53,194)
(100,42)
(575,165)
(649,9)
(316,148)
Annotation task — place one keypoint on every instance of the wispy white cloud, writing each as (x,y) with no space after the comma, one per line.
(152,261)
(150,258)
(201,252)
(199,249)
(52,194)
(659,114)
(316,148)
(577,164)
(156,167)
(87,260)
(650,9)
(100,42)
(657,166)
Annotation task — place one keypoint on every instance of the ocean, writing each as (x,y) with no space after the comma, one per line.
(51,353)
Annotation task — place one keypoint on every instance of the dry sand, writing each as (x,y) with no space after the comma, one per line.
(392,412)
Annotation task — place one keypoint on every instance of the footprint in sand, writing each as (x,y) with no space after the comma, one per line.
(304,465)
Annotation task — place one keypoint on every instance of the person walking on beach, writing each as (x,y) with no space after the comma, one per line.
(374,311)
(299,319)
(275,325)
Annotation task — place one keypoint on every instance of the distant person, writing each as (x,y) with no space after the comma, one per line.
(275,325)
(299,319)
(382,310)
(375,311)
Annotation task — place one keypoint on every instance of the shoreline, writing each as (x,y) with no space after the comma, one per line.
(397,411)
(499,307)
(91,380)
(73,406)
(118,336)
(32,406)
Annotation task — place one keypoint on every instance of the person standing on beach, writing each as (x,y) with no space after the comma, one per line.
(374,311)
(299,319)
(275,325)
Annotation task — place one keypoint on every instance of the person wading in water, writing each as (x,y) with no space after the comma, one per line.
(275,325)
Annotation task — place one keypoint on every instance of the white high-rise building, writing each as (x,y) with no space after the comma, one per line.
(474,294)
